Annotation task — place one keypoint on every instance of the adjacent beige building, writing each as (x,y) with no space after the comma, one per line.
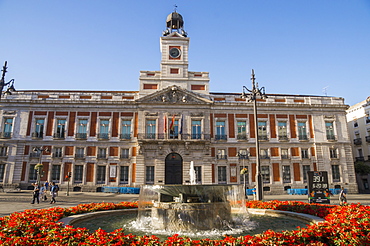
(150,136)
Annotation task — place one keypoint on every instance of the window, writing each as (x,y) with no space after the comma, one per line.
(198,174)
(80,152)
(329,131)
(243,154)
(61,127)
(304,153)
(3,151)
(196,127)
(149,175)
(126,129)
(104,129)
(222,175)
(220,130)
(242,130)
(333,153)
(264,154)
(102,153)
(306,168)
(284,154)
(39,129)
(302,133)
(124,175)
(265,172)
(244,176)
(78,173)
(335,173)
(174,129)
(262,130)
(58,152)
(125,153)
(100,175)
(221,154)
(2,172)
(286,174)
(55,173)
(355,124)
(8,128)
(82,129)
(150,129)
(282,130)
(32,176)
(367,118)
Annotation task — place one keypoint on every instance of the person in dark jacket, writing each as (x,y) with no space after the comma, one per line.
(36,193)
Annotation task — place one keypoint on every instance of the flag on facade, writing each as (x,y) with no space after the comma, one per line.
(172,126)
(165,124)
(181,123)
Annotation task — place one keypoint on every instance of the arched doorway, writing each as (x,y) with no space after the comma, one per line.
(173,169)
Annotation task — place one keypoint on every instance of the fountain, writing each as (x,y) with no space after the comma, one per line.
(192,208)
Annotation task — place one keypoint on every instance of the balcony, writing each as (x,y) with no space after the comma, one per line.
(283,138)
(57,155)
(5,135)
(103,136)
(284,156)
(243,157)
(35,154)
(331,137)
(241,136)
(264,157)
(3,154)
(361,158)
(37,135)
(367,139)
(302,137)
(221,157)
(162,136)
(124,156)
(102,156)
(80,156)
(220,137)
(59,135)
(81,136)
(357,141)
(263,137)
(125,136)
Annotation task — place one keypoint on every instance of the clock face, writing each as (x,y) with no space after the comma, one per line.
(174,52)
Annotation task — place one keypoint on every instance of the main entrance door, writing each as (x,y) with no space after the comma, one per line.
(173,169)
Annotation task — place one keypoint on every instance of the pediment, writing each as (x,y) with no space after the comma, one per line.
(174,95)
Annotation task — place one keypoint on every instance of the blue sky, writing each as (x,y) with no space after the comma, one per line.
(295,47)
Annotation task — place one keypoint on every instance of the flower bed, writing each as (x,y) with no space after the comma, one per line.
(347,225)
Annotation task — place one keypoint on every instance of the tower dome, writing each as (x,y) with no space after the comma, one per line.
(175,21)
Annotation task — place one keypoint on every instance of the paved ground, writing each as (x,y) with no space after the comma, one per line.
(19,201)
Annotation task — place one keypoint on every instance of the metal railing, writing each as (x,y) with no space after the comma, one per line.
(361,158)
(57,154)
(163,136)
(367,138)
(302,137)
(283,138)
(59,135)
(5,135)
(357,141)
(103,136)
(263,137)
(125,136)
(330,137)
(221,157)
(79,156)
(81,136)
(37,135)
(241,136)
(35,154)
(220,137)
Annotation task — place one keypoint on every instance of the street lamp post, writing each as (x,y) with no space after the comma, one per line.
(10,83)
(39,165)
(252,96)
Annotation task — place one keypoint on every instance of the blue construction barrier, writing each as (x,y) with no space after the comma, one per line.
(122,190)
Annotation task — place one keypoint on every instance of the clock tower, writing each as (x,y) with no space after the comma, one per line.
(174,46)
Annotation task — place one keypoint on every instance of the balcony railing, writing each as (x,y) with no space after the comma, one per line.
(79,156)
(81,136)
(59,135)
(357,141)
(37,135)
(367,139)
(35,154)
(221,157)
(302,137)
(263,137)
(283,138)
(330,137)
(103,136)
(264,157)
(284,156)
(361,158)
(220,137)
(243,156)
(5,135)
(163,136)
(125,136)
(57,155)
(241,136)
(102,156)
(3,154)
(124,156)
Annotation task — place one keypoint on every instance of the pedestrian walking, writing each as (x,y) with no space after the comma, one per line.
(53,192)
(43,191)
(254,192)
(342,197)
(35,194)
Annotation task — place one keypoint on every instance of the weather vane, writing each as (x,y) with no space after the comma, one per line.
(175,7)
(10,83)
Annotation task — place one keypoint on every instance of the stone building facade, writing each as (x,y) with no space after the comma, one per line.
(150,136)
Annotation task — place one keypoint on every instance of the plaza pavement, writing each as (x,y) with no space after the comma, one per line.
(19,201)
